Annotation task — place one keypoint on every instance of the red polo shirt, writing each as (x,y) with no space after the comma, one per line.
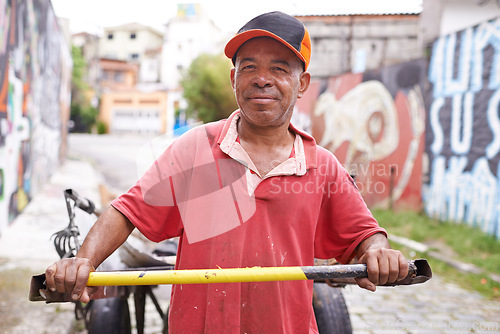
(205,189)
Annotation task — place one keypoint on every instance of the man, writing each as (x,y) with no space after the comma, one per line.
(251,190)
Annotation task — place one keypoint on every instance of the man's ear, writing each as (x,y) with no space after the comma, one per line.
(233,72)
(305,79)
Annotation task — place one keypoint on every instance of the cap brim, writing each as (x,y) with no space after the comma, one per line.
(237,41)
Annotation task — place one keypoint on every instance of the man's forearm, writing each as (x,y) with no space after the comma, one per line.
(108,233)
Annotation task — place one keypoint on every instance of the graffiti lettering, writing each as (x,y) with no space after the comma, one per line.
(457,72)
(459,195)
(464,126)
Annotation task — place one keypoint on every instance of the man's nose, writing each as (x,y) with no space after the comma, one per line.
(262,78)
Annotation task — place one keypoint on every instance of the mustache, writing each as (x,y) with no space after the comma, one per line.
(261,94)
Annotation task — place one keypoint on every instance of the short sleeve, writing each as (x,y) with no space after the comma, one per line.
(344,220)
(150,203)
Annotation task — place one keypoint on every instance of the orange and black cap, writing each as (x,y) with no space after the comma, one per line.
(280,26)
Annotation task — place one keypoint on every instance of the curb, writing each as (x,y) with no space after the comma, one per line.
(422,248)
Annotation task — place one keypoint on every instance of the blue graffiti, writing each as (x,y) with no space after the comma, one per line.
(464,69)
(460,196)
(469,64)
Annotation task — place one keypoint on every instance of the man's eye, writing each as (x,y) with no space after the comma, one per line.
(279,69)
(248,67)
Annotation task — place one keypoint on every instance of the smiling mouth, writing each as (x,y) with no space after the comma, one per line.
(262,99)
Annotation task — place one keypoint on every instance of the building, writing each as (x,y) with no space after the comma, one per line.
(134,112)
(441,17)
(89,46)
(125,107)
(123,71)
(130,42)
(359,42)
(117,75)
(190,33)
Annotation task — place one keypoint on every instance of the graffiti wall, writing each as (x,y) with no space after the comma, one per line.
(374,123)
(35,74)
(463,128)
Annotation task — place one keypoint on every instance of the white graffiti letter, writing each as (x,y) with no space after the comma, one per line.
(437,130)
(487,34)
(494,123)
(462,125)
(461,83)
(436,75)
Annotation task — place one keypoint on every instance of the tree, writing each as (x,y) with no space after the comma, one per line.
(82,113)
(207,88)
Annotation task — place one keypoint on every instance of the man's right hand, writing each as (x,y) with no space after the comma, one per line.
(71,276)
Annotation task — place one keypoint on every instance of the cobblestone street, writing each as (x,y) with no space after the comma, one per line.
(432,307)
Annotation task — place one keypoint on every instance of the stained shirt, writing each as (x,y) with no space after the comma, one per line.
(205,189)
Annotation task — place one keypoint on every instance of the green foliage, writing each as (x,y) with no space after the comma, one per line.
(82,113)
(102,128)
(84,116)
(79,66)
(207,88)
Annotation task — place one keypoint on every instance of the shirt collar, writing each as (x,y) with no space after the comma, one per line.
(304,156)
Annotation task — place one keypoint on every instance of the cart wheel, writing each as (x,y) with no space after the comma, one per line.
(330,309)
(108,316)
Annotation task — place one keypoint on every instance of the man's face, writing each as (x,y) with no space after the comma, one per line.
(267,80)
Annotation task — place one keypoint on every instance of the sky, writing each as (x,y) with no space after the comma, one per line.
(93,15)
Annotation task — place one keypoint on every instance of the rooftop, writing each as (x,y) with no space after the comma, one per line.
(359,7)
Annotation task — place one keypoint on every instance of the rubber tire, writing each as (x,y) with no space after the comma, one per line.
(330,309)
(109,316)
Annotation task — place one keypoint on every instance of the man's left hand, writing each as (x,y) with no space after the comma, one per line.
(384,265)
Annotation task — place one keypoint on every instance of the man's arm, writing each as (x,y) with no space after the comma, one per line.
(384,265)
(71,275)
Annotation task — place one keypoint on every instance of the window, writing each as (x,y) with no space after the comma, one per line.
(134,56)
(132,35)
(106,75)
(110,35)
(119,76)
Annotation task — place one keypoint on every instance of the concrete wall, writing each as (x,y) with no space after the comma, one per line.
(463,128)
(374,123)
(35,75)
(356,43)
(440,17)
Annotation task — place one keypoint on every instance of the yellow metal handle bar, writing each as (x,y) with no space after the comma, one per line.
(196,276)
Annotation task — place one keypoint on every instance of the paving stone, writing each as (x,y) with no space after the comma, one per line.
(410,316)
(387,331)
(359,309)
(361,331)
(424,331)
(360,325)
(439,317)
